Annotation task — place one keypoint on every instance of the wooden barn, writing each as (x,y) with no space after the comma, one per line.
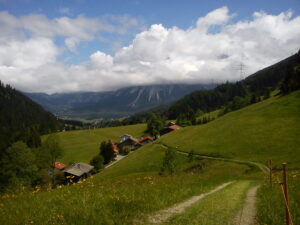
(78,171)
(127,141)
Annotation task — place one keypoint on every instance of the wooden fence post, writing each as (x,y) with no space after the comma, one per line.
(287,212)
(270,172)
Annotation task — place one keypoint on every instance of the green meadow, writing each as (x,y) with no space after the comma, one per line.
(266,130)
(82,145)
(126,198)
(131,190)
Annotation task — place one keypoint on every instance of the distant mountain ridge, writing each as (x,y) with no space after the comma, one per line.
(113,104)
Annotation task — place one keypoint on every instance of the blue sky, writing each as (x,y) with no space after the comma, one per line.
(87,37)
(182,14)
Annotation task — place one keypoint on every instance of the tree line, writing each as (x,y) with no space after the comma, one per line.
(24,158)
(23,165)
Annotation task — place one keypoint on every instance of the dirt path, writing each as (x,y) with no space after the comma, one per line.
(163,215)
(118,158)
(247,215)
(261,166)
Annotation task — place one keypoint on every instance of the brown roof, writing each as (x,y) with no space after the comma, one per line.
(146,139)
(58,165)
(175,127)
(78,169)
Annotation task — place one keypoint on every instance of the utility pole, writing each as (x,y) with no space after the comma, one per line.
(242,70)
(286,195)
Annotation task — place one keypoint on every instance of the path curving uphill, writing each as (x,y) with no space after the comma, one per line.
(163,215)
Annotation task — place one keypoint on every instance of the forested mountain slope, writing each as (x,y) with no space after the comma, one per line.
(258,84)
(18,114)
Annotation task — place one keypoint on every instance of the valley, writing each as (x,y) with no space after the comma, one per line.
(149,112)
(131,191)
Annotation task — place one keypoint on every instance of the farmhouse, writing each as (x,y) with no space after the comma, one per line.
(127,141)
(143,141)
(171,127)
(78,170)
(124,137)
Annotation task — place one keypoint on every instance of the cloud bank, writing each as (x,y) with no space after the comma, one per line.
(210,50)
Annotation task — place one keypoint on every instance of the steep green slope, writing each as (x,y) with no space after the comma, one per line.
(265,130)
(130,190)
(125,200)
(82,145)
(18,113)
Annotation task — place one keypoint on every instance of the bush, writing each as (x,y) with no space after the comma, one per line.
(43,177)
(97,162)
(17,166)
(191,156)
(58,178)
(170,161)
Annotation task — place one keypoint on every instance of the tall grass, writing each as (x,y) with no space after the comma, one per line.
(219,208)
(120,200)
(271,206)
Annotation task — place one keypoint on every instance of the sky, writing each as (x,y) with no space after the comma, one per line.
(88,45)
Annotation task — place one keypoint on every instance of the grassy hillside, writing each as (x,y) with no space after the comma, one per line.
(131,190)
(125,193)
(124,200)
(82,145)
(262,131)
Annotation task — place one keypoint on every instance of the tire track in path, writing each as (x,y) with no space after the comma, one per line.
(247,215)
(165,214)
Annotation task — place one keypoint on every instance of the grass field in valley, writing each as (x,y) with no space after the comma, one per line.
(131,190)
(122,194)
(82,145)
(266,130)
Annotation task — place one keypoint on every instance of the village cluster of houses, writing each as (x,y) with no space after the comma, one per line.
(81,170)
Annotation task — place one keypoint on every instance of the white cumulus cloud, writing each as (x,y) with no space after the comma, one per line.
(210,50)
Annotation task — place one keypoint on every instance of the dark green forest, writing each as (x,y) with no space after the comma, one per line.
(24,159)
(22,119)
